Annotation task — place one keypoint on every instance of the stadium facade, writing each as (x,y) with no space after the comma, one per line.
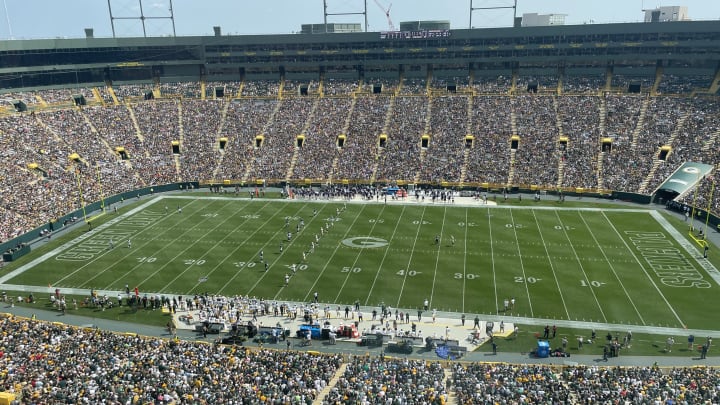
(638,49)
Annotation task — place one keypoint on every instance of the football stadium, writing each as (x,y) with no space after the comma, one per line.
(427,215)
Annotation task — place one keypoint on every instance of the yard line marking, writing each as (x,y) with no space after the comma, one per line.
(182,251)
(360,251)
(108,251)
(292,241)
(437,256)
(76,241)
(711,270)
(612,268)
(522,265)
(492,256)
(407,268)
(132,252)
(392,237)
(644,270)
(592,290)
(465,254)
(241,244)
(327,262)
(552,265)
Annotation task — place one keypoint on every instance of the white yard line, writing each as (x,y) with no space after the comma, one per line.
(522,265)
(121,260)
(292,242)
(711,270)
(644,270)
(407,268)
(357,257)
(65,246)
(237,228)
(327,262)
(199,237)
(552,266)
(577,257)
(612,269)
(492,257)
(465,241)
(437,256)
(377,274)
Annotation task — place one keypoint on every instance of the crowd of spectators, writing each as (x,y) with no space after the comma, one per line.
(508,383)
(442,82)
(274,159)
(536,84)
(445,155)
(413,85)
(489,159)
(201,121)
(369,380)
(146,131)
(319,151)
(53,363)
(580,123)
(47,362)
(230,88)
(180,89)
(124,92)
(620,82)
(583,84)
(357,157)
(538,154)
(159,124)
(671,84)
(261,88)
(492,84)
(687,145)
(336,87)
(245,120)
(631,159)
(400,159)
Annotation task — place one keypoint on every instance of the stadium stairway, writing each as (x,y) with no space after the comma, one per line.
(608,79)
(640,122)
(657,162)
(218,134)
(426,131)
(381,151)
(138,132)
(303,131)
(710,141)
(330,385)
(249,159)
(602,122)
(452,397)
(658,78)
(561,133)
(98,96)
(466,154)
(181,131)
(346,126)
(113,95)
(513,128)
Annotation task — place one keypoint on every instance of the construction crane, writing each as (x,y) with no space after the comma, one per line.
(391,26)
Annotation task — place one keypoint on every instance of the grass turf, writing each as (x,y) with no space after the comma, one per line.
(563,263)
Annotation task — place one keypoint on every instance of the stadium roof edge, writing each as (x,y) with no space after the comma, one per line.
(508,32)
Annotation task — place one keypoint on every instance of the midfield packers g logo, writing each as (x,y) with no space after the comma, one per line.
(364,242)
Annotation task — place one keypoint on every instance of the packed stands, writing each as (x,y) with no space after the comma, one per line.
(141,142)
(124,368)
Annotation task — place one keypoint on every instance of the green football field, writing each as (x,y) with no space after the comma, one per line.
(616,266)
